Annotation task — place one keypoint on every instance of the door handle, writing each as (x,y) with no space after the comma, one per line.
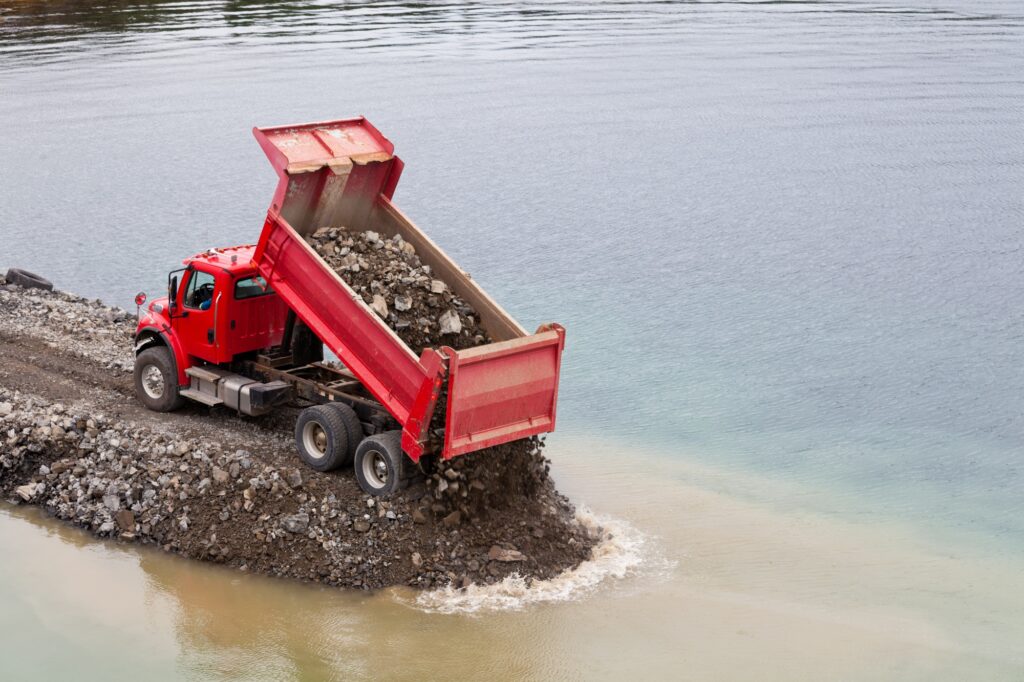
(209,335)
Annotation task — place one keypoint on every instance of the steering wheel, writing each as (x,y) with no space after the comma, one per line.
(203,293)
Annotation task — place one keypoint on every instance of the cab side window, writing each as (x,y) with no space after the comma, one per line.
(251,287)
(199,293)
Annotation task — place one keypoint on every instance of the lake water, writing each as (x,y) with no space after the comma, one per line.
(784,237)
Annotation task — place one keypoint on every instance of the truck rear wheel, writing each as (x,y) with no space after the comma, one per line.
(156,381)
(321,438)
(381,467)
(353,428)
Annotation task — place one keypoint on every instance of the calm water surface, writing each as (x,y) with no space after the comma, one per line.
(785,238)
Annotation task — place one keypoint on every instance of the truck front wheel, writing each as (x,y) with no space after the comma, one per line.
(156,382)
(321,438)
(381,467)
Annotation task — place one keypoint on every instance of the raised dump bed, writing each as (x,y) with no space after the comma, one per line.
(344,173)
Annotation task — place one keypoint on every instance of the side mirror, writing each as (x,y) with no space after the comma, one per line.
(140,298)
(172,292)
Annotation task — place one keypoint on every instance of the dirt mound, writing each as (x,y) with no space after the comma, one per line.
(211,485)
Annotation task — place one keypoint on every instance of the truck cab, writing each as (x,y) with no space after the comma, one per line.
(217,308)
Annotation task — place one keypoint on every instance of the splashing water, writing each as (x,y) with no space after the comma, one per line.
(619,553)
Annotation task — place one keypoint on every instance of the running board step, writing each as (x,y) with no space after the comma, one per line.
(204,374)
(199,396)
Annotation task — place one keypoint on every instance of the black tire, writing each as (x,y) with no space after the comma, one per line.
(381,466)
(28,280)
(307,348)
(353,428)
(321,438)
(156,380)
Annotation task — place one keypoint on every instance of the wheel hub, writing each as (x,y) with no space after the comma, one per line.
(315,438)
(153,382)
(375,469)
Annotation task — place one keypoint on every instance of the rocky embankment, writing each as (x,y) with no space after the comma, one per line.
(212,485)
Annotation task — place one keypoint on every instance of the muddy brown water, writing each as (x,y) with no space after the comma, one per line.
(712,588)
(785,234)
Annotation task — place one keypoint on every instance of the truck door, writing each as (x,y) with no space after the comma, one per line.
(256,318)
(197,324)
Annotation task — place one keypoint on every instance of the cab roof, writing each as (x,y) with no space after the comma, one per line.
(236,260)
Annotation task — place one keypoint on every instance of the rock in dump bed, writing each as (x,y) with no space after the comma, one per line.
(404,292)
(425,312)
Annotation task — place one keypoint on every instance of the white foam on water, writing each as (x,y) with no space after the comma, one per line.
(619,553)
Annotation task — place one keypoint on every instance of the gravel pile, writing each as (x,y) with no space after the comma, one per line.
(181,482)
(97,332)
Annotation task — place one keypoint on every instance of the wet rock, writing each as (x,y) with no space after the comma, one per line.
(125,521)
(294,478)
(26,492)
(497,553)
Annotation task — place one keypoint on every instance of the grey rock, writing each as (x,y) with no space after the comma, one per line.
(379,305)
(296,523)
(403,302)
(449,323)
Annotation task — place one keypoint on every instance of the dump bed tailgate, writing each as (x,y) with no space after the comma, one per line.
(502,391)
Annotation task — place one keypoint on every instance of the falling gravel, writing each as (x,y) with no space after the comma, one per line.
(425,313)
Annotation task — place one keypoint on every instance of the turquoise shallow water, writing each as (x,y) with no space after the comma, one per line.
(785,237)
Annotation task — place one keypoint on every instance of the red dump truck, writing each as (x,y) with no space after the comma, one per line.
(245,327)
